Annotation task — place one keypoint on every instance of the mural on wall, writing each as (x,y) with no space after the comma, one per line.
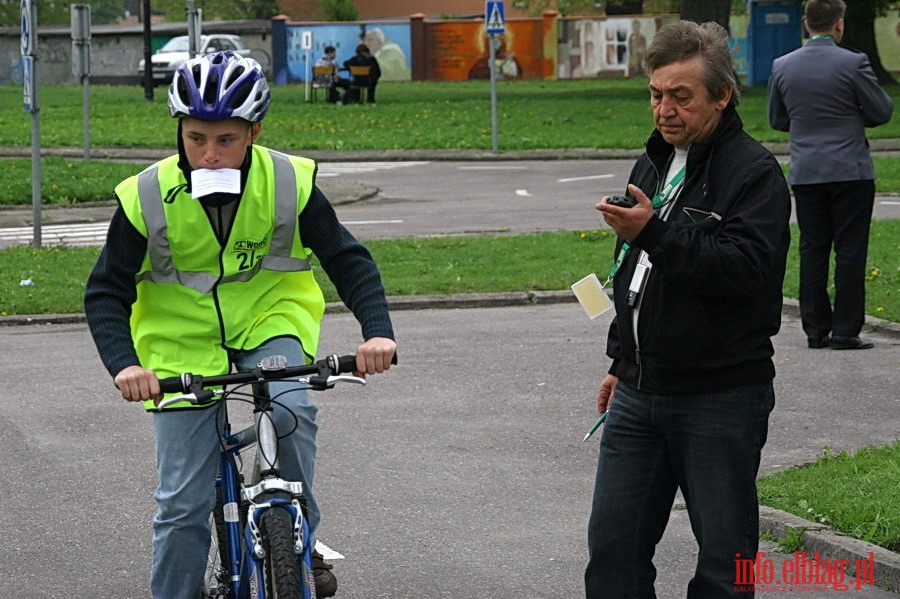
(388,42)
(887,36)
(453,50)
(392,56)
(737,43)
(459,50)
(606,47)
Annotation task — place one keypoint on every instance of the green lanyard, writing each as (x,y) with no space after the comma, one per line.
(659,200)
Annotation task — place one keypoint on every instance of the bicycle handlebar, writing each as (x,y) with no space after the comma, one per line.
(270,369)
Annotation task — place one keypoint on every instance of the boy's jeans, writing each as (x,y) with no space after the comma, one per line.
(187,452)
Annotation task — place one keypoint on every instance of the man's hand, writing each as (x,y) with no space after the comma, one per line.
(604,395)
(138,384)
(374,356)
(628,222)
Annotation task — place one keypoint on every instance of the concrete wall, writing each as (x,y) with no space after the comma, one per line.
(115,49)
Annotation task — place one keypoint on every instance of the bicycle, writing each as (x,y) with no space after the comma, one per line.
(260,534)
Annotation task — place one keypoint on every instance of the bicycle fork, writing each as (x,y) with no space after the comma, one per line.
(270,490)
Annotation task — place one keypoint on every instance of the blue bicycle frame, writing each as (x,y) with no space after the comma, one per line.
(245,566)
(245,573)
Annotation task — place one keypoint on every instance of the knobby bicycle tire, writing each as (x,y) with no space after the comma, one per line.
(281,564)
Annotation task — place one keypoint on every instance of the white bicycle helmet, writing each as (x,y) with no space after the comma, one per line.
(219,86)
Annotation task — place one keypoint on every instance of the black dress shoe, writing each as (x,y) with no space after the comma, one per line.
(850,343)
(818,342)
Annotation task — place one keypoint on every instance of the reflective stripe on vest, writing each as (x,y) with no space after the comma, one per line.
(278,259)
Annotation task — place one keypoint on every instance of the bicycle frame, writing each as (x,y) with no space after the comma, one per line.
(245,548)
(245,574)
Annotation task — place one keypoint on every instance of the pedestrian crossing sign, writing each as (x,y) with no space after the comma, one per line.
(493,16)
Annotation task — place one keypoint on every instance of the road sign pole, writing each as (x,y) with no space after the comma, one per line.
(30,79)
(494,25)
(492,49)
(81,64)
(306,44)
(193,18)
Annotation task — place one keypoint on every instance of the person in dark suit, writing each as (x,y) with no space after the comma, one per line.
(362,58)
(826,96)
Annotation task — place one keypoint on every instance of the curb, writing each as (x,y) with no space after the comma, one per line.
(818,538)
(790,307)
(395,302)
(871,324)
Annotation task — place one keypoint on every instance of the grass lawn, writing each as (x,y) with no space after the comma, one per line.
(855,494)
(591,113)
(440,265)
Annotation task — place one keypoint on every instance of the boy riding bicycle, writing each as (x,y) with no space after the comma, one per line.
(205,267)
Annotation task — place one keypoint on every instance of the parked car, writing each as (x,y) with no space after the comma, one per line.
(176,51)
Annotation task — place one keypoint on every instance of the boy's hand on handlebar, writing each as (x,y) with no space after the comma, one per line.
(138,384)
(374,356)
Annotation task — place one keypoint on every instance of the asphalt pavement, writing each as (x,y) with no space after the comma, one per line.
(461,474)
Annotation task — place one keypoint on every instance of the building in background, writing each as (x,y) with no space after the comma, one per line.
(308,10)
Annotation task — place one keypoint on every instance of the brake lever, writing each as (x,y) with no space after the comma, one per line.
(319,383)
(346,378)
(205,397)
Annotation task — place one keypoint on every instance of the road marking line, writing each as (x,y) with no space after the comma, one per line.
(371,222)
(74,234)
(94,234)
(591,177)
(523,193)
(363,167)
(327,552)
(493,168)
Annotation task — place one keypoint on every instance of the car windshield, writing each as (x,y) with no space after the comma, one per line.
(176,44)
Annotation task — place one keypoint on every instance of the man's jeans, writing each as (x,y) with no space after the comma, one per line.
(187,451)
(708,445)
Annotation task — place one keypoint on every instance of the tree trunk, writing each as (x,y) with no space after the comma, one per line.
(859,33)
(707,10)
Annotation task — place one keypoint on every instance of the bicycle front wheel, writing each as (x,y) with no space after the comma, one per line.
(281,564)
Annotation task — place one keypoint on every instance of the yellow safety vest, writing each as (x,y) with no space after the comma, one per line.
(196,298)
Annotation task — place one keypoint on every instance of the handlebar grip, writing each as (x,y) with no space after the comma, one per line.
(173,384)
(347,364)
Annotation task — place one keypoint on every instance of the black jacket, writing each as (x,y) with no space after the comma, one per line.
(364,60)
(712,300)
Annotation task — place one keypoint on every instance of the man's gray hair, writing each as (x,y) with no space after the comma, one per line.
(684,40)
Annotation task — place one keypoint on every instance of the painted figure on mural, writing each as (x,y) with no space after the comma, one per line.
(390,56)
(507,65)
(591,45)
(637,48)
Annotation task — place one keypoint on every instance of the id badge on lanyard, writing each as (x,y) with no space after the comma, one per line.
(659,200)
